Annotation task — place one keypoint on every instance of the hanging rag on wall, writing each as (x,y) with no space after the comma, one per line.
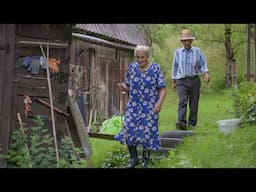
(33,63)
(28,106)
(53,66)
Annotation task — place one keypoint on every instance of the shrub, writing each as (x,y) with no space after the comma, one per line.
(117,158)
(33,147)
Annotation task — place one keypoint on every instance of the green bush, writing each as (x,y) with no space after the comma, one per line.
(245,101)
(33,147)
(117,158)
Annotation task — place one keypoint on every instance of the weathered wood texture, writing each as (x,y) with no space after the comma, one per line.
(39,87)
(7,42)
(13,81)
(103,68)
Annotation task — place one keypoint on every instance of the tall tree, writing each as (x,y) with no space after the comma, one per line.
(229,54)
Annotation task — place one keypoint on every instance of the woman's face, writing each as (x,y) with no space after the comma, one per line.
(142,58)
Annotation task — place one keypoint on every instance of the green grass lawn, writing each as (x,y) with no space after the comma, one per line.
(212,107)
(100,150)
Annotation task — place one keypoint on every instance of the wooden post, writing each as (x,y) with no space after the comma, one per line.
(248,52)
(23,132)
(81,130)
(51,102)
(254,77)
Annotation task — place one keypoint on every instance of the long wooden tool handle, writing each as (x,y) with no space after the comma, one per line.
(54,108)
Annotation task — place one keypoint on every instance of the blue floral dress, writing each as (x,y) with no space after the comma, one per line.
(140,125)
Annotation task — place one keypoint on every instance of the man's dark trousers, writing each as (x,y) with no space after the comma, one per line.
(188,91)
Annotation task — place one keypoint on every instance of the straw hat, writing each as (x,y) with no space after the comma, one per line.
(186,34)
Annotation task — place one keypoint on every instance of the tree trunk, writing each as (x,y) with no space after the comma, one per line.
(229,55)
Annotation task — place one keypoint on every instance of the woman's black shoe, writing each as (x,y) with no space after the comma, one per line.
(132,163)
(145,157)
(144,163)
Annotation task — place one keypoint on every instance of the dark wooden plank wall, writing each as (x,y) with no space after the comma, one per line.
(109,77)
(125,58)
(114,74)
(7,38)
(39,87)
(105,68)
(49,32)
(83,54)
(12,83)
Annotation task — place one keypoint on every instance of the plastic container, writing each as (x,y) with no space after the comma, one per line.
(226,126)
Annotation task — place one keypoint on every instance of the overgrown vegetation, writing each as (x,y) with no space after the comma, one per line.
(208,148)
(215,151)
(216,102)
(117,158)
(211,149)
(33,147)
(245,102)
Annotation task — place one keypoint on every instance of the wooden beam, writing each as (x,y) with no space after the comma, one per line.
(43,43)
(166,142)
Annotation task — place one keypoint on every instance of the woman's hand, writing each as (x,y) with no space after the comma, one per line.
(123,87)
(157,107)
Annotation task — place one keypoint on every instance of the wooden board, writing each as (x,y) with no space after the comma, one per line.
(101,136)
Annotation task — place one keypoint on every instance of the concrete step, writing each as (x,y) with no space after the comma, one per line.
(170,142)
(156,154)
(177,134)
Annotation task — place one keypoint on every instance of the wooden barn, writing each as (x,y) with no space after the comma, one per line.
(85,59)
(100,54)
(25,81)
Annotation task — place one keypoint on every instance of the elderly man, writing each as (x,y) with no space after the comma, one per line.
(188,64)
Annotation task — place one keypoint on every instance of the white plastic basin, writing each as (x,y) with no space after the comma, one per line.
(226,126)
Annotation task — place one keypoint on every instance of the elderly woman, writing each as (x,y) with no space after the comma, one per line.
(145,83)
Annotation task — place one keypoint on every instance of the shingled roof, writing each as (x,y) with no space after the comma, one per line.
(130,34)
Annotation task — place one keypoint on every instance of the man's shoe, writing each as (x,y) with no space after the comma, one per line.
(132,163)
(180,126)
(191,126)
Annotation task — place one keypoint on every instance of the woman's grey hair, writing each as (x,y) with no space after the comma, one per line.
(145,48)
